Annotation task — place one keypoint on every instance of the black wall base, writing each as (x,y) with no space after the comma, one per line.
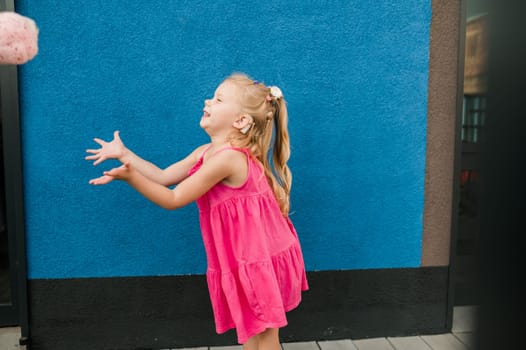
(174,311)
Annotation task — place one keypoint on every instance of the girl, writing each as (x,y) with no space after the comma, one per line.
(255,266)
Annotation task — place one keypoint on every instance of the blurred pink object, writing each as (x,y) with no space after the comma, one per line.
(18,38)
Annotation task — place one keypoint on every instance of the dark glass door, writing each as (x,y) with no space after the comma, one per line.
(8,304)
(13,267)
(13,275)
(5,284)
(475,86)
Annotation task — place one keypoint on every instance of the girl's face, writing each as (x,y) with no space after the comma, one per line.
(221,111)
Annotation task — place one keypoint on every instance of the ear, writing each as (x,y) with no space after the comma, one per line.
(243,123)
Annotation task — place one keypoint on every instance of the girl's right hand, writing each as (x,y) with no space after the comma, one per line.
(114,149)
(124,172)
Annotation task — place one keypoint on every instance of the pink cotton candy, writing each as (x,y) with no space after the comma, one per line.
(18,38)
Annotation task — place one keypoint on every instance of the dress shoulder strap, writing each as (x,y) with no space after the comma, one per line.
(205,151)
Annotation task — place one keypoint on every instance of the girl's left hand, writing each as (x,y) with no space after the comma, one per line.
(124,172)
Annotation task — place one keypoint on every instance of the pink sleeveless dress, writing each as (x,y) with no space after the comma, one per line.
(255,269)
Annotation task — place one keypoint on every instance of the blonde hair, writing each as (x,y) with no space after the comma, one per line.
(269,112)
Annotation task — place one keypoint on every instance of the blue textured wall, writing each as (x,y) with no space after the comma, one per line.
(355,77)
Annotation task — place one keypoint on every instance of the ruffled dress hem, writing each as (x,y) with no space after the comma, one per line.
(244,288)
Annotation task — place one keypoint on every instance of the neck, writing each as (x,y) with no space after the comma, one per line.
(219,141)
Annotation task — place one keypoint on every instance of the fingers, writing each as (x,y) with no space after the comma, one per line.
(117,172)
(99,141)
(100,160)
(101,180)
(96,156)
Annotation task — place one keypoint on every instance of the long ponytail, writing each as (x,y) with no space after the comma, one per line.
(266,106)
(281,155)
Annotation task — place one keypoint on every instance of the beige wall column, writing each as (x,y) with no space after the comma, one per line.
(441,119)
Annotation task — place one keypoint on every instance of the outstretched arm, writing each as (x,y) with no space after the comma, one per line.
(216,169)
(116,149)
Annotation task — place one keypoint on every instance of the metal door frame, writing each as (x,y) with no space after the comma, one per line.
(15,313)
(457,162)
